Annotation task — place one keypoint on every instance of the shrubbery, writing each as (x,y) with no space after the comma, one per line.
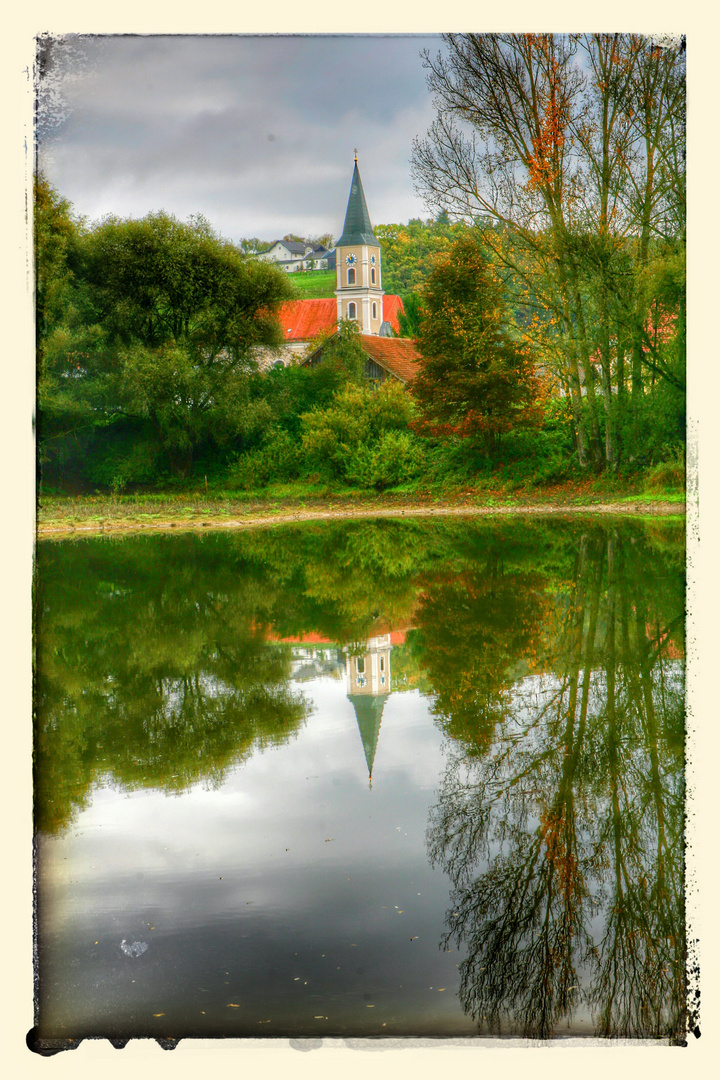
(279,459)
(363,439)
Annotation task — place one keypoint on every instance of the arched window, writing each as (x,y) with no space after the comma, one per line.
(361,665)
(372,275)
(351,276)
(352,311)
(374,310)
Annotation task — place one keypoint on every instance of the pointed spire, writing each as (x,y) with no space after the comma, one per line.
(357,228)
(368,713)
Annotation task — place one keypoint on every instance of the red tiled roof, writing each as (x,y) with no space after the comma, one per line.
(399,356)
(392,307)
(303,320)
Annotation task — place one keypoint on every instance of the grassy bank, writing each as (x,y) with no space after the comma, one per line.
(192,506)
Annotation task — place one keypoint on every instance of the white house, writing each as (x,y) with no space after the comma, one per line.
(294,255)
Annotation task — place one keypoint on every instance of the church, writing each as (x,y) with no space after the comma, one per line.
(359,297)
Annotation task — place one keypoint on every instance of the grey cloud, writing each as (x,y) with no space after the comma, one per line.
(256,133)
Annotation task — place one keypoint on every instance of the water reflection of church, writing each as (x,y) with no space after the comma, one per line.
(368,688)
(367,673)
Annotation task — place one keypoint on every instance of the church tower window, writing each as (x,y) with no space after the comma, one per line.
(351,276)
(352,311)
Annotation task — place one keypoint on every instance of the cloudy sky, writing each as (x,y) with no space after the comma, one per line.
(256,133)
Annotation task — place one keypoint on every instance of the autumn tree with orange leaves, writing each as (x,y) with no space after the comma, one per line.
(475,381)
(573,146)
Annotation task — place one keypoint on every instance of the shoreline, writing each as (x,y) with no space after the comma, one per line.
(264,520)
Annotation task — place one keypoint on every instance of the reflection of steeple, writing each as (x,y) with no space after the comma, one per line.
(368,688)
(368,712)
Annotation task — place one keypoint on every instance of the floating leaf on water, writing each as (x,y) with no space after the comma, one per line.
(233,1005)
(158,1014)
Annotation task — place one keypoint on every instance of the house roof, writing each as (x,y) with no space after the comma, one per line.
(357,228)
(303,320)
(294,246)
(392,307)
(399,356)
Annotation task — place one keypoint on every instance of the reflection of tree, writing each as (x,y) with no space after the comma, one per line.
(150,672)
(476,627)
(564,841)
(342,580)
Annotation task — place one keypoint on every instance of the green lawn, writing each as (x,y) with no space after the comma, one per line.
(314,284)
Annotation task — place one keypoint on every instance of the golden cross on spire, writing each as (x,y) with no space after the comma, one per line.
(356,155)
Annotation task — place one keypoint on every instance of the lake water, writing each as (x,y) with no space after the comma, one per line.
(362,778)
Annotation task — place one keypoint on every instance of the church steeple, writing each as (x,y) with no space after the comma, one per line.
(368,688)
(368,713)
(359,285)
(357,228)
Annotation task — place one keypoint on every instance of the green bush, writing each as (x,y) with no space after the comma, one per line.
(667,474)
(652,426)
(279,459)
(357,439)
(544,455)
(395,458)
(120,457)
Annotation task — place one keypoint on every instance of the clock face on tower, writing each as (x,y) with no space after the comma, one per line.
(372,259)
(350,260)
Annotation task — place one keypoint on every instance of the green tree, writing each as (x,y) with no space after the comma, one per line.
(410,252)
(171,320)
(409,320)
(475,380)
(64,332)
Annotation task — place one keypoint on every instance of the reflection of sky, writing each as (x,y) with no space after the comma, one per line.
(293,862)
